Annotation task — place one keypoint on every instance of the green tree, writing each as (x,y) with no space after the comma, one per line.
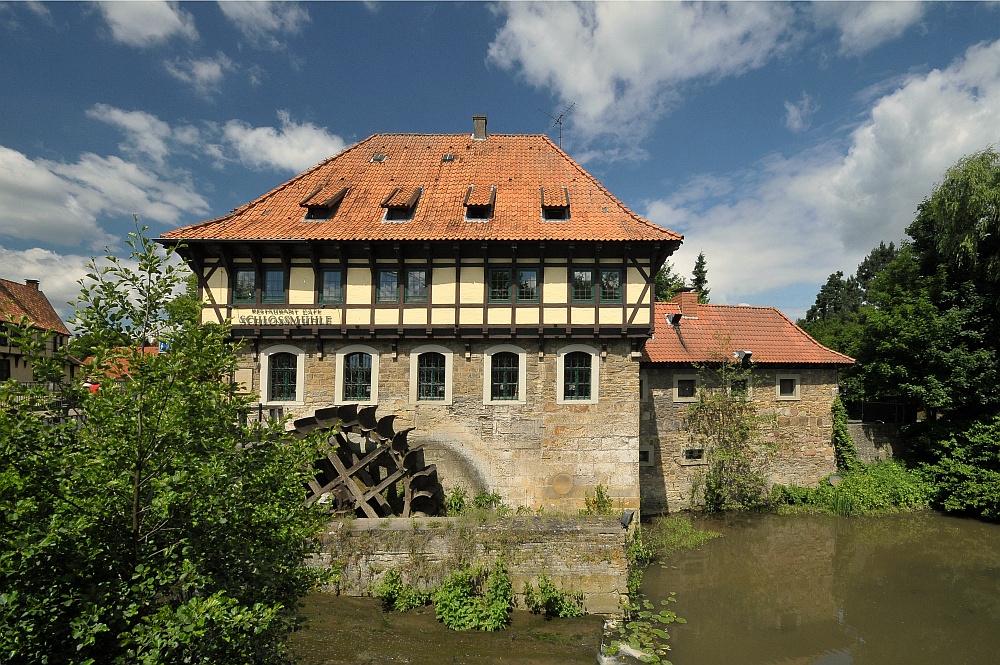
(668,283)
(699,278)
(146,525)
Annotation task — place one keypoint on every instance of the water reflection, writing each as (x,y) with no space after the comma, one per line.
(819,590)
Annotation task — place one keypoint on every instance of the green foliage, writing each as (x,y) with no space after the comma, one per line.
(153,528)
(454,501)
(967,473)
(674,533)
(879,488)
(491,502)
(552,601)
(740,442)
(599,504)
(699,278)
(668,283)
(477,598)
(397,595)
(645,631)
(843,444)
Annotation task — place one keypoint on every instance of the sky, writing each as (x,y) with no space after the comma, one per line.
(783,140)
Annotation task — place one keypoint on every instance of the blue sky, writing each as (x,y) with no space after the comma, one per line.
(783,140)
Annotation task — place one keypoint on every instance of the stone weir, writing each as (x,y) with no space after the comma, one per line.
(578,553)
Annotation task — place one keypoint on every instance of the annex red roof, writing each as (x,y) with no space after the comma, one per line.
(707,333)
(514,172)
(20,300)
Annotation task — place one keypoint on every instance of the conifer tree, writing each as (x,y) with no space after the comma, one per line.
(699,278)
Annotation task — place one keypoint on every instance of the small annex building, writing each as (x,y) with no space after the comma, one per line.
(791,375)
(27,301)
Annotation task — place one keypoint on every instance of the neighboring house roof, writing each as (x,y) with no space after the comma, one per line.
(442,174)
(26,300)
(706,333)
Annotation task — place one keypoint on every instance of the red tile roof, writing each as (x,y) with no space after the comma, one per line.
(708,333)
(19,300)
(519,166)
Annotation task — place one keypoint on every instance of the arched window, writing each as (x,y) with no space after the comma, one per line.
(576,375)
(504,376)
(283,371)
(282,375)
(431,376)
(357,377)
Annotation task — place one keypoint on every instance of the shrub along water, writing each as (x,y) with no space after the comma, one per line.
(883,487)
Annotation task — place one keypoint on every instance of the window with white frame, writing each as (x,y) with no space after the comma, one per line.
(504,375)
(787,386)
(685,387)
(578,373)
(282,375)
(357,375)
(430,374)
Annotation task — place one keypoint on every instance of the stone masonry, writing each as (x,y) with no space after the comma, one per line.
(805,431)
(539,454)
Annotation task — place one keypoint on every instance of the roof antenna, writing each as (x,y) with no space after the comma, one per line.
(559,120)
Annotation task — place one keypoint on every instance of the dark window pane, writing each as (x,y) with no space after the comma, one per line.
(4,369)
(283,368)
(416,286)
(430,376)
(244,285)
(685,387)
(505,375)
(611,286)
(786,387)
(357,377)
(527,285)
(583,285)
(555,213)
(500,285)
(387,289)
(576,371)
(693,454)
(332,289)
(478,212)
(274,286)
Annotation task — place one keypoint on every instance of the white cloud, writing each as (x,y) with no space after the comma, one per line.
(797,114)
(796,220)
(623,63)
(147,23)
(294,147)
(58,274)
(260,21)
(865,25)
(204,74)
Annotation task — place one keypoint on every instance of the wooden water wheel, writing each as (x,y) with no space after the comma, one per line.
(371,471)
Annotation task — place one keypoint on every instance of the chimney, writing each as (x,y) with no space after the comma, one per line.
(33,283)
(479,127)
(687,300)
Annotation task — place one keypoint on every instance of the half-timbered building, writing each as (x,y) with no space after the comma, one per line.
(483,288)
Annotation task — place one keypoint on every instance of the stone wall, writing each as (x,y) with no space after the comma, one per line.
(539,454)
(577,553)
(875,442)
(805,429)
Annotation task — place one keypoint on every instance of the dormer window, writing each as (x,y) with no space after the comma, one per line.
(479,200)
(555,204)
(378,158)
(322,204)
(401,204)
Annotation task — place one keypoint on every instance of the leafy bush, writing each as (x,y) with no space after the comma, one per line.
(599,504)
(477,598)
(397,595)
(871,489)
(967,472)
(454,502)
(552,601)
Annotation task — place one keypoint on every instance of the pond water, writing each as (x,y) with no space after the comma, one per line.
(818,590)
(918,589)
